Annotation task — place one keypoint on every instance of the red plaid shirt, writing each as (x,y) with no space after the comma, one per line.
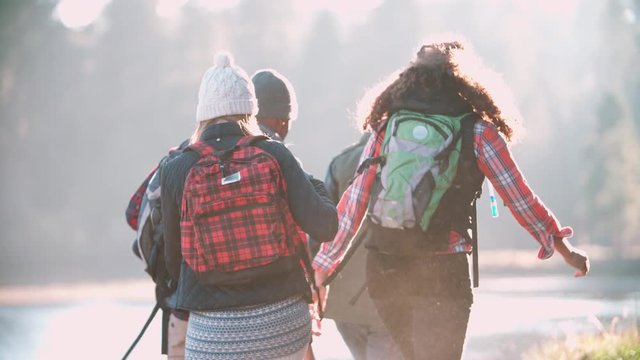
(496,163)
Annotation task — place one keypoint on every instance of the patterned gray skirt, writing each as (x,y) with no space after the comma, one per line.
(267,331)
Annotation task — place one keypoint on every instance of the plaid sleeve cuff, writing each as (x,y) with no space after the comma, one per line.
(547,241)
(322,263)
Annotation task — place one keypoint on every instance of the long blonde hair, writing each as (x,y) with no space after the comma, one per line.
(247,123)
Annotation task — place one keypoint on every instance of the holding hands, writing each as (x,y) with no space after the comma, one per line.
(319,301)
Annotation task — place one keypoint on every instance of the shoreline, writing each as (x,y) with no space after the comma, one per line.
(497,269)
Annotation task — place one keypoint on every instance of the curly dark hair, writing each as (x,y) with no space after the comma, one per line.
(445,68)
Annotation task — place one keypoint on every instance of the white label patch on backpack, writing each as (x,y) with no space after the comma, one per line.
(231,178)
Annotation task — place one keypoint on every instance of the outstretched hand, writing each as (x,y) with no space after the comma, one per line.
(573,256)
(579,260)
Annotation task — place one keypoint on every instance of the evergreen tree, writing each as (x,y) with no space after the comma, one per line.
(39,129)
(613,188)
(323,85)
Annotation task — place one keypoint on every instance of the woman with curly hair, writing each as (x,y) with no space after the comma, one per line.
(424,296)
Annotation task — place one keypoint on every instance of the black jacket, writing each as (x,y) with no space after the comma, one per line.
(311,208)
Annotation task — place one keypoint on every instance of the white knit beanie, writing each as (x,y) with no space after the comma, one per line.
(225,90)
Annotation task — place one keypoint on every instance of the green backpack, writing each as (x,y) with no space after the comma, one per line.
(419,161)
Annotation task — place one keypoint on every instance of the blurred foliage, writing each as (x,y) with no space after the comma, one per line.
(612,191)
(85,114)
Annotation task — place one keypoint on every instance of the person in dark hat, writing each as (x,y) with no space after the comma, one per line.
(277,103)
(277,109)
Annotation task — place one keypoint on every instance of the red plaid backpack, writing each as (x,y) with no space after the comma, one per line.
(236,225)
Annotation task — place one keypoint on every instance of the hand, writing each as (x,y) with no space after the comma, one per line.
(320,277)
(316,324)
(573,256)
(319,301)
(579,260)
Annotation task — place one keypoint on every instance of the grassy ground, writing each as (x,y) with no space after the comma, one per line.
(604,346)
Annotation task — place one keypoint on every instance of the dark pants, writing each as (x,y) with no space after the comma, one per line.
(368,342)
(424,302)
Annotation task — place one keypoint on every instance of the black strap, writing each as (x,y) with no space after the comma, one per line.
(444,154)
(202,148)
(466,151)
(244,141)
(224,153)
(250,140)
(144,328)
(365,164)
(474,243)
(370,161)
(304,256)
(361,290)
(164,345)
(317,290)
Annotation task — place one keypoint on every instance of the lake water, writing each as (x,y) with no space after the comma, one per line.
(509,315)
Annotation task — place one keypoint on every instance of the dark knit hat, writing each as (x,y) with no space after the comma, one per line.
(275,94)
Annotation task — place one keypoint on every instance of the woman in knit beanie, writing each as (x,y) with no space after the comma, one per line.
(239,314)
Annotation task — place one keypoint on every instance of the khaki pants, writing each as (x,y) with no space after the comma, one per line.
(176,335)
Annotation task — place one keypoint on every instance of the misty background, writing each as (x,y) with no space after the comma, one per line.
(89,104)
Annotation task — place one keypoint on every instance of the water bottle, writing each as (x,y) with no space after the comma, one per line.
(492,200)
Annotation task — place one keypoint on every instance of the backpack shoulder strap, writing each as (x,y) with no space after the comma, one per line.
(466,130)
(468,160)
(133,208)
(250,140)
(201,148)
(244,141)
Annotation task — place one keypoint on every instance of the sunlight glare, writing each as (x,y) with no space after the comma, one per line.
(495,314)
(77,14)
(551,7)
(169,9)
(630,16)
(99,330)
(217,5)
(348,8)
(349,12)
